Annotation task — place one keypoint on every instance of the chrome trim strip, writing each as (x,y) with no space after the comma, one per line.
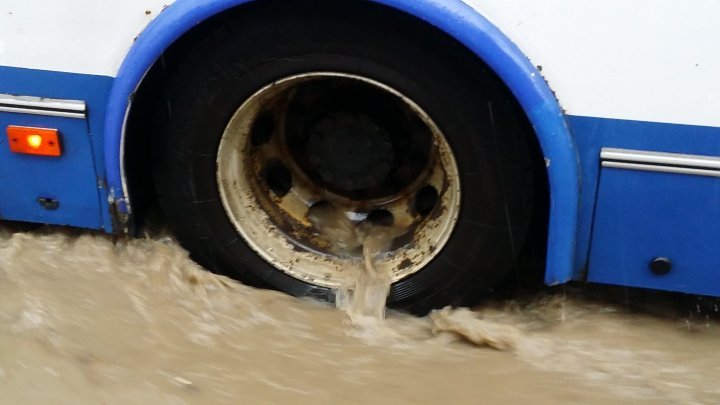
(660,168)
(42,112)
(43,106)
(660,158)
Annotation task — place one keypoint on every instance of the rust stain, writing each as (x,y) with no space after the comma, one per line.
(405,264)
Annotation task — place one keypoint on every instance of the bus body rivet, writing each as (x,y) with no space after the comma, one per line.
(660,265)
(49,204)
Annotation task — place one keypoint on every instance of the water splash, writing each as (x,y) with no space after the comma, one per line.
(467,325)
(363,300)
(369,296)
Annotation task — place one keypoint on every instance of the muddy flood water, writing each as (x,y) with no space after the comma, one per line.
(88,318)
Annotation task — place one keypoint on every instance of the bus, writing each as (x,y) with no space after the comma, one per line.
(272,133)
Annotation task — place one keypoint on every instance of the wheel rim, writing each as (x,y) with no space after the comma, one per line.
(323,141)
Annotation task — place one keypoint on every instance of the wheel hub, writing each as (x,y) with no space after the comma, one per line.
(350,152)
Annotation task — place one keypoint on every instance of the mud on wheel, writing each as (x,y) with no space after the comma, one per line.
(267,130)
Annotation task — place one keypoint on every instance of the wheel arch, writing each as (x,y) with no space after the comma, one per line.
(453,17)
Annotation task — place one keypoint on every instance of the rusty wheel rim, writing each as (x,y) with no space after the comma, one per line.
(328,139)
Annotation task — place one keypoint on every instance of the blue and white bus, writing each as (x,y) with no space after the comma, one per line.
(464,125)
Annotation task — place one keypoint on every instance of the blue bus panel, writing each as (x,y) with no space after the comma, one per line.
(670,218)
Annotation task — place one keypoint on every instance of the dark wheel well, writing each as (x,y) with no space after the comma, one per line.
(138,156)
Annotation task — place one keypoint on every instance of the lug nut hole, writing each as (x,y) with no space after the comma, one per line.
(425,200)
(278,178)
(380,217)
(262,129)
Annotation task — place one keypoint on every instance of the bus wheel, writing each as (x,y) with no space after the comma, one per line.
(364,114)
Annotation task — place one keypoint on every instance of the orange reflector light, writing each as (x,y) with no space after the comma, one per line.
(34,141)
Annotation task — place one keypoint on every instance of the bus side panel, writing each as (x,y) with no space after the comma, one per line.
(657,230)
(74,180)
(641,215)
(618,60)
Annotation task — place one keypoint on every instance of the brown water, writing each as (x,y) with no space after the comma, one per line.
(363,300)
(86,318)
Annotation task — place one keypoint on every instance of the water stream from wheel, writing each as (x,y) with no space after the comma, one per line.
(91,318)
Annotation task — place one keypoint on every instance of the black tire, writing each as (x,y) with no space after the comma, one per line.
(481,121)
